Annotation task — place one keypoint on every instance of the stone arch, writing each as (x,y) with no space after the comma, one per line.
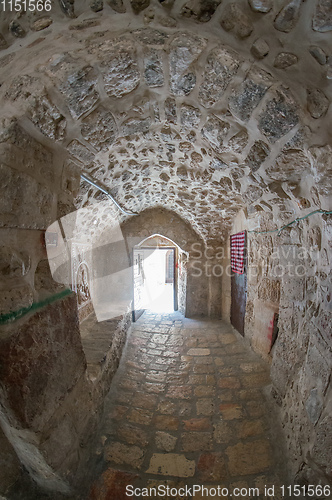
(234,127)
(174,228)
(176,269)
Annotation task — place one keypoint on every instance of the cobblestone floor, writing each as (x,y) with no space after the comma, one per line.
(187,407)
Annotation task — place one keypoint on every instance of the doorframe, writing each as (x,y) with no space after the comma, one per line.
(234,316)
(175,281)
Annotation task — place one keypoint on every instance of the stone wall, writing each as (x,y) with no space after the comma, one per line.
(289,273)
(48,407)
(44,391)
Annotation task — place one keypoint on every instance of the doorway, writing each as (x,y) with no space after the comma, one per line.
(238,280)
(154,280)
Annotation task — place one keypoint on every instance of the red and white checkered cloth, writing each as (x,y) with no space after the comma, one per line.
(238,242)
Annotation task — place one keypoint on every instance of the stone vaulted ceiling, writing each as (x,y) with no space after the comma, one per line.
(200,107)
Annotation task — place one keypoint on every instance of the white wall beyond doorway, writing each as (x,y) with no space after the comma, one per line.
(158,296)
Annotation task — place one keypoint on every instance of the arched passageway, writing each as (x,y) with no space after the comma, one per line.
(205,118)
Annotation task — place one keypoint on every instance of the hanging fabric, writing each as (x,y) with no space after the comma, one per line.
(238,242)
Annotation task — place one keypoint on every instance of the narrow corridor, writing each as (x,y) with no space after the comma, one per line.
(187,407)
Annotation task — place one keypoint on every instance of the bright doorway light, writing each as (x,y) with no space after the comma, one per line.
(158,291)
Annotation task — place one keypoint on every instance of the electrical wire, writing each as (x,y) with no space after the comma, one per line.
(324,212)
(94,184)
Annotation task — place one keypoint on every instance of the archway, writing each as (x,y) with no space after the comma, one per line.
(160,275)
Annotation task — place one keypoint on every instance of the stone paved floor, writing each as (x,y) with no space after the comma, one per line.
(187,407)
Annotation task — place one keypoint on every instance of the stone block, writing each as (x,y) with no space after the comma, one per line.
(292,289)
(79,89)
(81,152)
(290,165)
(166,422)
(119,67)
(238,142)
(135,126)
(221,65)
(258,153)
(205,406)
(139,5)
(196,441)
(211,467)
(323,322)
(37,370)
(234,19)
(252,194)
(322,20)
(17,29)
(99,129)
(42,23)
(67,6)
(197,424)
(20,190)
(47,118)
(189,116)
(285,59)
(133,435)
(263,6)
(96,5)
(112,485)
(249,458)
(150,36)
(245,99)
(71,178)
(319,54)
(279,116)
(179,392)
(198,352)
(170,110)
(123,454)
(231,411)
(165,441)
(185,48)
(288,16)
(171,464)
(117,5)
(215,131)
(153,68)
(200,10)
(250,428)
(269,290)
(13,263)
(317,103)
(260,48)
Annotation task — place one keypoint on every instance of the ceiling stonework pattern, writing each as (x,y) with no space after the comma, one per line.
(202,108)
